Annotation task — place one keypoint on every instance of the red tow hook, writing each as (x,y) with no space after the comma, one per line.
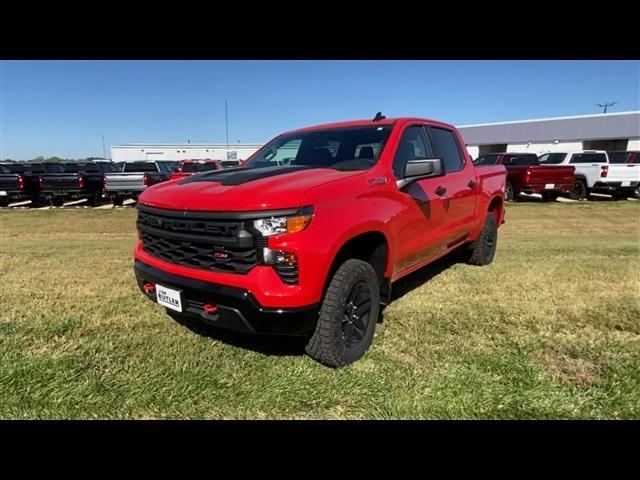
(149,288)
(210,309)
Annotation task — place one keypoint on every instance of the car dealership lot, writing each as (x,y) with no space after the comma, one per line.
(550,330)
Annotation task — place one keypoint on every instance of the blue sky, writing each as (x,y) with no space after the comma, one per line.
(62,107)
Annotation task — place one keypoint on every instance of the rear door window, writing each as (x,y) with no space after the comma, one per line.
(588,158)
(619,157)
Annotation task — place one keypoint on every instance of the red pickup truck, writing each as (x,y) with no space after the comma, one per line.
(189,167)
(526,175)
(309,235)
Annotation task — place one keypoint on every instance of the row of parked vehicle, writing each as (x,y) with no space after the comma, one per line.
(575,174)
(55,183)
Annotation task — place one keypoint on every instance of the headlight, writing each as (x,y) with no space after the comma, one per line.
(290,224)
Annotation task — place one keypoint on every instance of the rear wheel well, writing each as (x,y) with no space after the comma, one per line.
(371,247)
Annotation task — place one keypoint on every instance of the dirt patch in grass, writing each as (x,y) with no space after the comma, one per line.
(562,367)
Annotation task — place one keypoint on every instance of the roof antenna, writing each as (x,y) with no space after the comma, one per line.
(379,117)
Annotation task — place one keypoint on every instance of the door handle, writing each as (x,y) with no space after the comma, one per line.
(440,191)
(472,184)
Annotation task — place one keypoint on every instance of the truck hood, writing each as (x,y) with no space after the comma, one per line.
(268,188)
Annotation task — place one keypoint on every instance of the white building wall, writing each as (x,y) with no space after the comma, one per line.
(128,153)
(634,144)
(540,148)
(473,151)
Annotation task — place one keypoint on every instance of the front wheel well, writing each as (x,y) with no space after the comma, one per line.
(496,207)
(371,247)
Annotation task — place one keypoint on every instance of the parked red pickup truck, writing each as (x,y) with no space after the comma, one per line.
(309,235)
(189,167)
(526,175)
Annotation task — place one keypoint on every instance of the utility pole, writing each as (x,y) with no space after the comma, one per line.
(605,105)
(226,123)
(104,152)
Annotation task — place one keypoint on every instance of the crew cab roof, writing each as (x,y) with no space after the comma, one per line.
(367,123)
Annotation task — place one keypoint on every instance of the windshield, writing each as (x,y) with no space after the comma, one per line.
(199,167)
(552,158)
(350,148)
(619,157)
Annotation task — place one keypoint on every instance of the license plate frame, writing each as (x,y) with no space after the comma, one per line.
(169,297)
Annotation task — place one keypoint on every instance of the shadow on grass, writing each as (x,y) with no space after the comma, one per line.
(426,273)
(276,345)
(282,345)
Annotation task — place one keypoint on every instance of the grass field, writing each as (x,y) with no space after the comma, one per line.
(550,330)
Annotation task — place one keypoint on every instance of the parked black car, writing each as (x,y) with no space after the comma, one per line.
(21,181)
(80,180)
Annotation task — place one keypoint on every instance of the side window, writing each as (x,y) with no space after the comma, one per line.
(445,146)
(588,158)
(412,145)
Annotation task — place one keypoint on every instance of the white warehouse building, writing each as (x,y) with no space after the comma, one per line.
(610,131)
(605,131)
(191,151)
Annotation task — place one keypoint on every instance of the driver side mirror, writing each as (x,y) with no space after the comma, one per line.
(421,168)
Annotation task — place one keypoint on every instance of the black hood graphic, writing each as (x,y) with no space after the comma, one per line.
(239,176)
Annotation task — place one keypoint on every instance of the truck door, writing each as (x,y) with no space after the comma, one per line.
(588,164)
(458,188)
(419,226)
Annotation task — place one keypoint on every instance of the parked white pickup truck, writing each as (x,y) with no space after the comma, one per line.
(594,173)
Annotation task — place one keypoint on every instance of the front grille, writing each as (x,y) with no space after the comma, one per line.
(204,243)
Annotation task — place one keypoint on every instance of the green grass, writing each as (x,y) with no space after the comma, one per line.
(550,330)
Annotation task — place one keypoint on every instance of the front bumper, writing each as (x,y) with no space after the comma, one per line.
(237,308)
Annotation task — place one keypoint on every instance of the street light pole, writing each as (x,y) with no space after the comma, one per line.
(605,105)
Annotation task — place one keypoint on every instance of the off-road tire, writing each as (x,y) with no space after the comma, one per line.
(328,344)
(483,249)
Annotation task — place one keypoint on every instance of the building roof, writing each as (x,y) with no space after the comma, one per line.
(583,127)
